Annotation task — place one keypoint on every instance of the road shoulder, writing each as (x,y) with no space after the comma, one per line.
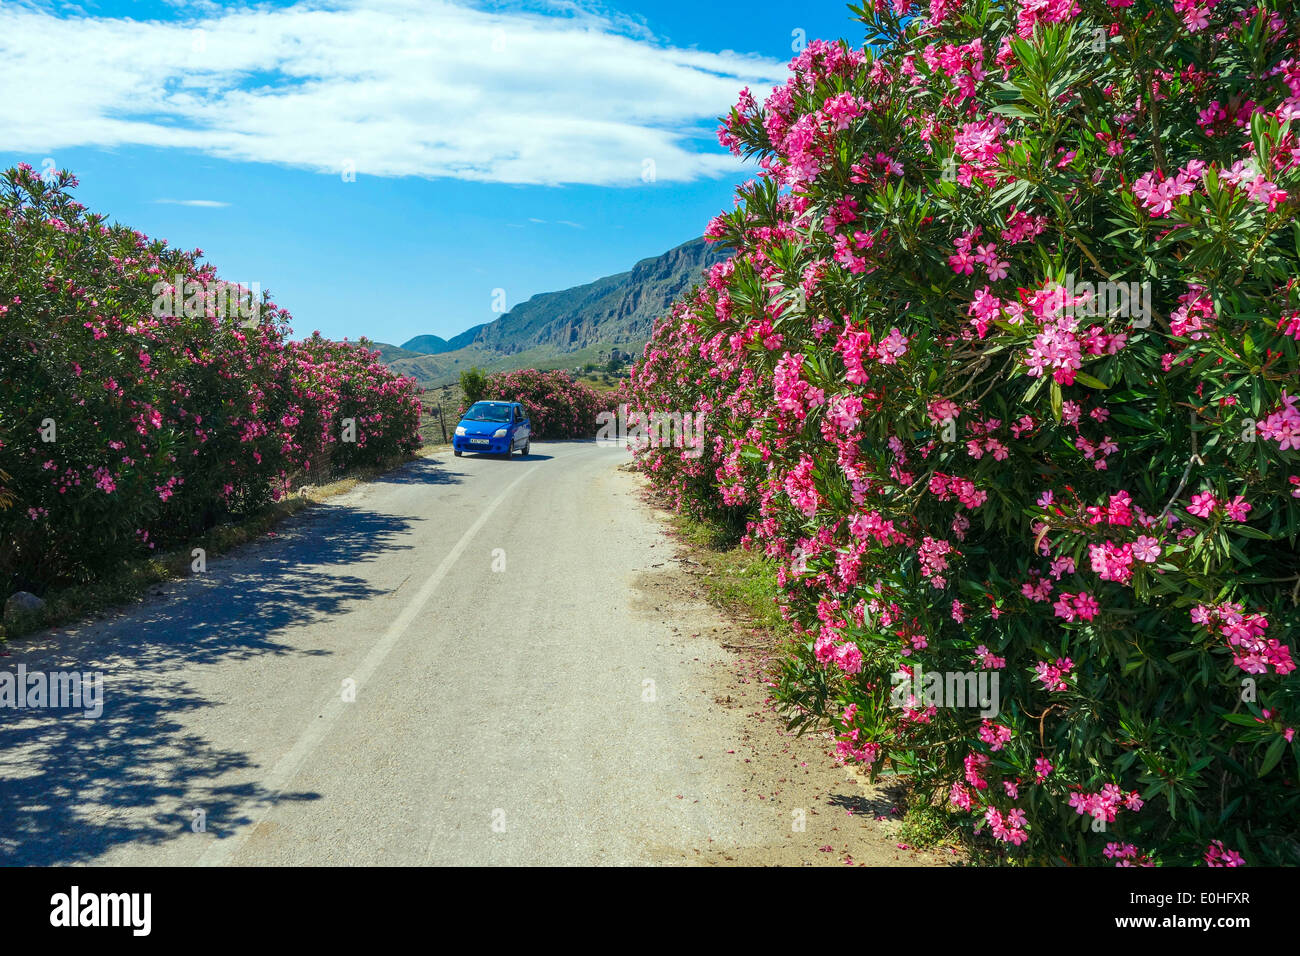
(833,814)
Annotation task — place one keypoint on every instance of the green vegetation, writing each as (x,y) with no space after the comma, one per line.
(739,581)
(473,383)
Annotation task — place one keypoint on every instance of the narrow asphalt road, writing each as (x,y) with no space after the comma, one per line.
(449,665)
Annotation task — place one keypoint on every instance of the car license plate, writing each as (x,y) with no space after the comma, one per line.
(479,441)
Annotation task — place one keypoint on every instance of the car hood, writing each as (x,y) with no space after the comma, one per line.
(482,428)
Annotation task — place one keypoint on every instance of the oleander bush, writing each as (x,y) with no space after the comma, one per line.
(558,407)
(339,382)
(1003,370)
(126,425)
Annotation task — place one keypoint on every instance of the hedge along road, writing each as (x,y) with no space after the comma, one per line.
(480,612)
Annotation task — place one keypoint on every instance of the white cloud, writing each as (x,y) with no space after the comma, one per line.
(206,203)
(397,87)
(558,222)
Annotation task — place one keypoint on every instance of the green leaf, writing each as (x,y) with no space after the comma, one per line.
(1246,531)
(1245,720)
(1085,379)
(1273,755)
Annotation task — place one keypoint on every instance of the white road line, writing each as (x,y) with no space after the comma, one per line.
(220,851)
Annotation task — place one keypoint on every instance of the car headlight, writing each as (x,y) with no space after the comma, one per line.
(460,429)
(499,433)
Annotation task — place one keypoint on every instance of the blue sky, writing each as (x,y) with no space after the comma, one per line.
(496,146)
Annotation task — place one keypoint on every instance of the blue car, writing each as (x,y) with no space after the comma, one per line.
(497,428)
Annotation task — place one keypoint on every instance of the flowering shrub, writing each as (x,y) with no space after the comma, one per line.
(680,369)
(124,429)
(558,406)
(1004,372)
(336,382)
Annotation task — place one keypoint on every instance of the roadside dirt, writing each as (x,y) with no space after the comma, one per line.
(836,817)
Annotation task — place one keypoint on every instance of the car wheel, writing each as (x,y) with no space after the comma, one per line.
(527,445)
(457,452)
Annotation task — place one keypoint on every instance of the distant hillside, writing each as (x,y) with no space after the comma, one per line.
(566,328)
(390,353)
(427,345)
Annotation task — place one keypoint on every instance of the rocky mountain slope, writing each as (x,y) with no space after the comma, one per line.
(565,328)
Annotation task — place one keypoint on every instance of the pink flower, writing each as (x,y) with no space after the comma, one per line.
(1062,566)
(799,486)
(1283,425)
(842,110)
(1103,805)
(1146,549)
(995,735)
(1111,562)
(959,797)
(933,557)
(1053,676)
(104,480)
(892,347)
(1034,12)
(1236,509)
(987,660)
(980,141)
(1081,605)
(1120,851)
(1252,652)
(975,764)
(1158,194)
(1216,854)
(1086,606)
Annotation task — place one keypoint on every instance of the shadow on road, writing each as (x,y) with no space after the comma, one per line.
(421,471)
(884,802)
(531,457)
(72,788)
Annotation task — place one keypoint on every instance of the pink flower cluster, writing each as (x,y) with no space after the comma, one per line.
(1105,803)
(1053,676)
(1034,12)
(934,560)
(1283,425)
(1158,194)
(1126,854)
(1245,633)
(1082,606)
(1009,828)
(1216,854)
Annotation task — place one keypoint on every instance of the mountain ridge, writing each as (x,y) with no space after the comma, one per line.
(562,328)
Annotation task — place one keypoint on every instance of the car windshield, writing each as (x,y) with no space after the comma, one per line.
(488,412)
